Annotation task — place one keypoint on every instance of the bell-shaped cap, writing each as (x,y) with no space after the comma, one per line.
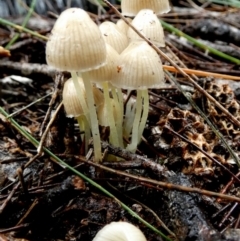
(139,67)
(120,231)
(75,43)
(71,100)
(106,72)
(113,36)
(132,7)
(122,26)
(147,23)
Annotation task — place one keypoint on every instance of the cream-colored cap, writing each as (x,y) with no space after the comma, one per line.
(113,36)
(122,26)
(106,72)
(75,43)
(139,67)
(147,23)
(120,231)
(132,7)
(71,100)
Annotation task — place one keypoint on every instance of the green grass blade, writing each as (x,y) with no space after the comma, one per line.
(220,54)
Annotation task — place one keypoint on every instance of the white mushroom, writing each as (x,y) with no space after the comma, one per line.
(120,231)
(131,8)
(77,45)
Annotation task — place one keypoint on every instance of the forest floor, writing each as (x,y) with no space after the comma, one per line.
(184,178)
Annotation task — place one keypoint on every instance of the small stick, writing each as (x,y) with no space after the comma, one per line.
(21,179)
(201,73)
(35,202)
(9,197)
(166,185)
(44,135)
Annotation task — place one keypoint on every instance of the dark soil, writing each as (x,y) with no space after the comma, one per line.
(179,149)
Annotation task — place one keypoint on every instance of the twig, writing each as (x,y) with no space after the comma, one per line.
(164,184)
(58,82)
(22,29)
(43,138)
(9,197)
(201,73)
(29,68)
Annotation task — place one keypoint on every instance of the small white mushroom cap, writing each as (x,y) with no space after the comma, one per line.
(113,36)
(71,100)
(106,72)
(132,7)
(122,26)
(139,67)
(147,23)
(120,231)
(75,43)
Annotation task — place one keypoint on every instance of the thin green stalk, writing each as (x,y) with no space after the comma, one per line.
(170,28)
(5,22)
(90,181)
(25,21)
(231,3)
(31,104)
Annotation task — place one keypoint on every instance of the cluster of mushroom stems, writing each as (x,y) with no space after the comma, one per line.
(102,61)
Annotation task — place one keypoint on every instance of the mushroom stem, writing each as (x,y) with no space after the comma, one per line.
(143,121)
(84,127)
(134,140)
(80,94)
(93,118)
(129,118)
(113,130)
(118,99)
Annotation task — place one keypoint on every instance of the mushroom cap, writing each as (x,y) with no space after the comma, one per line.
(75,43)
(120,231)
(147,23)
(113,36)
(139,67)
(122,26)
(106,72)
(132,7)
(71,100)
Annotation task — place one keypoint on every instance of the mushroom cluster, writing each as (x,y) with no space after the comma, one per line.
(112,57)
